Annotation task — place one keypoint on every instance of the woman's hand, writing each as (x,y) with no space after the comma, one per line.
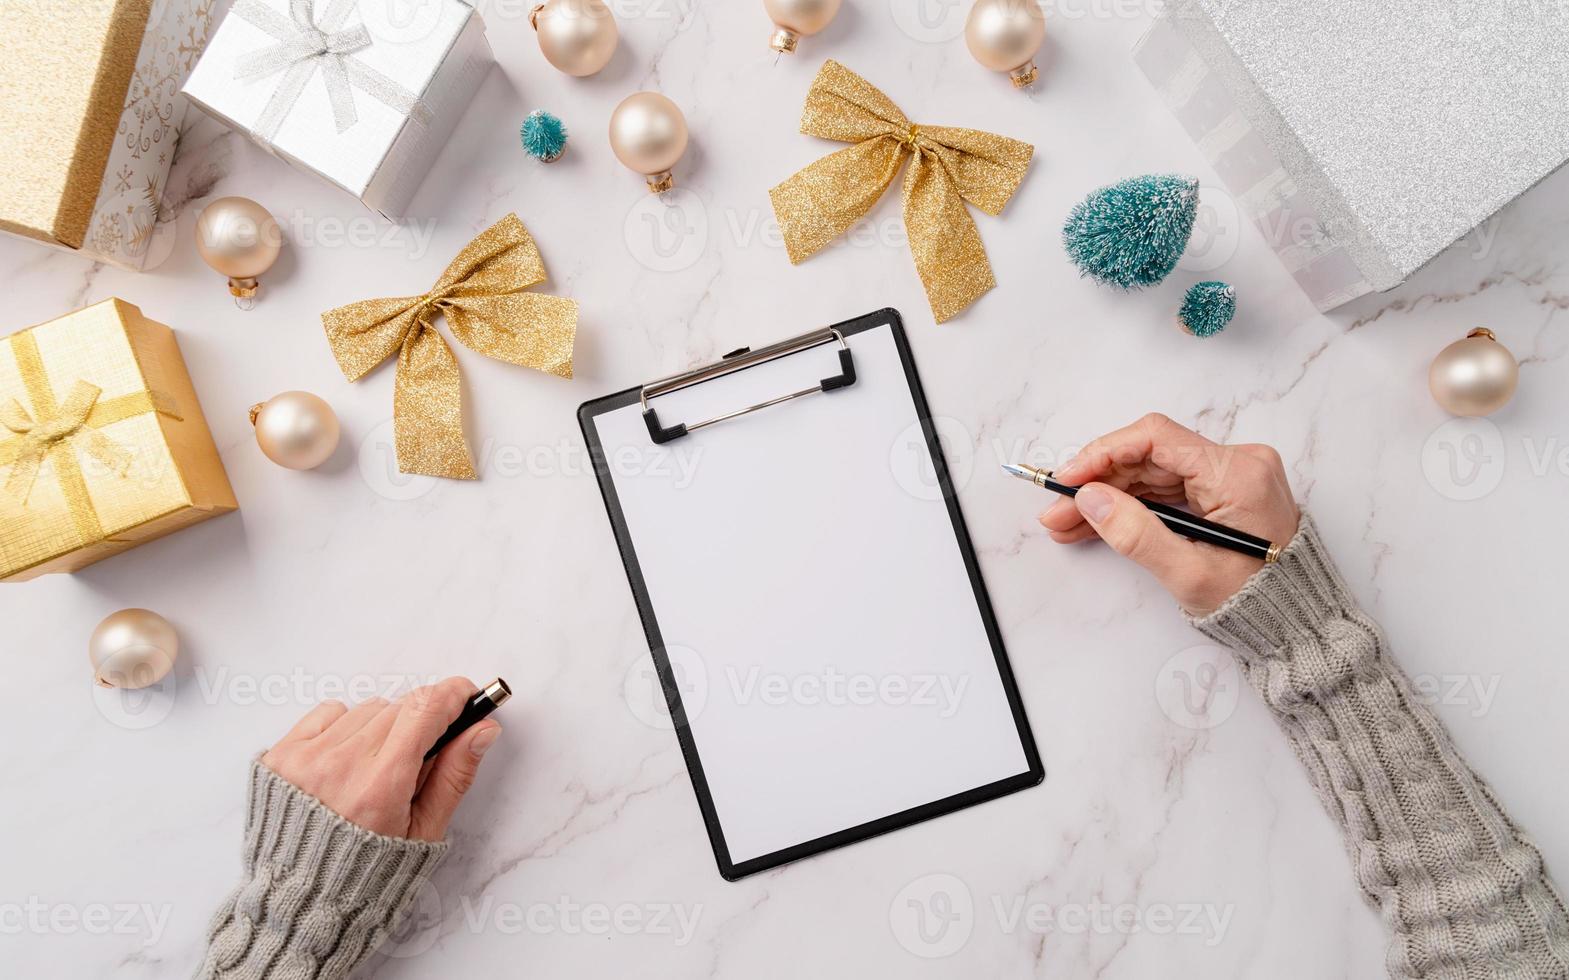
(367,762)
(1241,486)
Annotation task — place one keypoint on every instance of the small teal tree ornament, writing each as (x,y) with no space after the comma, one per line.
(1131,234)
(544,137)
(1207,308)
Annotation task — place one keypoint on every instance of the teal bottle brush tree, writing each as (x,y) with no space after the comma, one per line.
(1131,234)
(1207,308)
(544,137)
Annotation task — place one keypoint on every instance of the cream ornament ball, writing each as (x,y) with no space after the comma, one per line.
(578,37)
(648,134)
(132,648)
(1004,35)
(296,429)
(1474,376)
(795,19)
(240,239)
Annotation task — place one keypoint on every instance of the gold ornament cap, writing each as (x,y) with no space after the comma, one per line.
(244,288)
(1482,332)
(1025,75)
(659,183)
(784,40)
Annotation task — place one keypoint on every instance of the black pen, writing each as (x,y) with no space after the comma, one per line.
(477,710)
(1185,524)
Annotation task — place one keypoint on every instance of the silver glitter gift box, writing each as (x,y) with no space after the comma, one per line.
(1363,137)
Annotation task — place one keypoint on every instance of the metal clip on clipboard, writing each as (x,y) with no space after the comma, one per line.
(735,361)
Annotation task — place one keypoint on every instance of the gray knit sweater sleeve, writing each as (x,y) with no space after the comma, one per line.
(319,894)
(1462,892)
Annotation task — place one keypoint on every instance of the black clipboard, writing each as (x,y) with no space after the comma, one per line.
(666,429)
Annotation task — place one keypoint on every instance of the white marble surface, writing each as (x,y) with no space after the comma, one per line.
(122,821)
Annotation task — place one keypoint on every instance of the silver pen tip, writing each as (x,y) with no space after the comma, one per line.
(1018,471)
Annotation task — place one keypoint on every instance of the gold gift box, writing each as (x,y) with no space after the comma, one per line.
(102,442)
(92,115)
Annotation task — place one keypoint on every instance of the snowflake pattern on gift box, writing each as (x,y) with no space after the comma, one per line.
(143,221)
(108,232)
(130,196)
(144,218)
(196,25)
(149,103)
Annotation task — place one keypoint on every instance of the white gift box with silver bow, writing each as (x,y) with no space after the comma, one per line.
(361,92)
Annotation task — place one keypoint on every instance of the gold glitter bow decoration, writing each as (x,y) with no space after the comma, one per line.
(948,166)
(481,295)
(60,429)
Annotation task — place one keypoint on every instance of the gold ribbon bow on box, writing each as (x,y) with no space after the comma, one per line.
(56,430)
(481,295)
(948,166)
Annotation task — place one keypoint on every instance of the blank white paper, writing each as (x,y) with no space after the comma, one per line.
(805,574)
